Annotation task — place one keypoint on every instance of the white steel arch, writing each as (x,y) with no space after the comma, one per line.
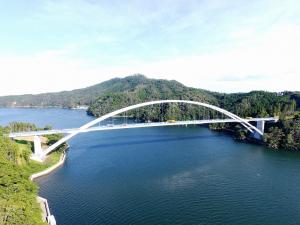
(246,124)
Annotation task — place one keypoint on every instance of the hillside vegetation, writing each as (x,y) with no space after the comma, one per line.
(18,204)
(86,96)
(143,89)
(286,106)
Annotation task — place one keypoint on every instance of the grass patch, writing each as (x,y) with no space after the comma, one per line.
(31,166)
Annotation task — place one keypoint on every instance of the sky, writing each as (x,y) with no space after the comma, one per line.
(218,45)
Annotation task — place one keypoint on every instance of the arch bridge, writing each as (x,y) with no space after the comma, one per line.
(40,154)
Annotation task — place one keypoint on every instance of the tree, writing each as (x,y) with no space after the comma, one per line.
(274,137)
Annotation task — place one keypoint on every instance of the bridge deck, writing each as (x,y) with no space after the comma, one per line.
(133,125)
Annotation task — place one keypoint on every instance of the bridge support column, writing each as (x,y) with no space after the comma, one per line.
(261,126)
(38,152)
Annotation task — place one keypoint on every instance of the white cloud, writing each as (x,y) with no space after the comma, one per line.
(266,62)
(271,58)
(49,71)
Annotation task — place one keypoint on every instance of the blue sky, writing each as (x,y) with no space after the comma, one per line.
(221,45)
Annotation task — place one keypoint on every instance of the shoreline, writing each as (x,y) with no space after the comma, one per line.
(50,169)
(46,214)
(42,107)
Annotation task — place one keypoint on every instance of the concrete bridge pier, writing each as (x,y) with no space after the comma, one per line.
(261,126)
(38,152)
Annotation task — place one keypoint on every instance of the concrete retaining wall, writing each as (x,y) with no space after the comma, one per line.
(50,169)
(47,217)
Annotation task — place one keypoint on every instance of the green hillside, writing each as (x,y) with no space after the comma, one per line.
(139,89)
(260,103)
(18,204)
(86,96)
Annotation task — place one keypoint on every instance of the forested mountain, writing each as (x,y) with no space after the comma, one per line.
(85,96)
(284,134)
(260,103)
(150,89)
(253,104)
(118,92)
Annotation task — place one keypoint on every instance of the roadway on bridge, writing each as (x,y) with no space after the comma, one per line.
(134,125)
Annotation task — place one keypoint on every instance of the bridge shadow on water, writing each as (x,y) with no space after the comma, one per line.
(155,140)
